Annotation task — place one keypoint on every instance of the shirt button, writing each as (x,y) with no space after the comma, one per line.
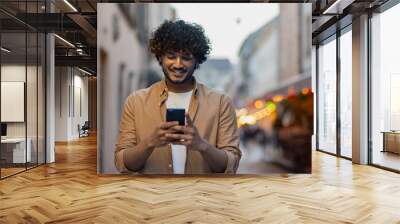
(170,165)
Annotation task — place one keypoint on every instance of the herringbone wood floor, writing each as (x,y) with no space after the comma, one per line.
(70,191)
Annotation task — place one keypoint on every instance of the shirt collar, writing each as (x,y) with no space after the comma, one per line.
(164,88)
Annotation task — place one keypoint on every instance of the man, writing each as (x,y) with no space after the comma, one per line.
(208,143)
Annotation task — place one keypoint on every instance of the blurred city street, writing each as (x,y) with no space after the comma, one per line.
(258,159)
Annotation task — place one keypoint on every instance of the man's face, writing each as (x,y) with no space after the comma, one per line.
(178,66)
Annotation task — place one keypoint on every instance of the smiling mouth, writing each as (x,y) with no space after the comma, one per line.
(178,73)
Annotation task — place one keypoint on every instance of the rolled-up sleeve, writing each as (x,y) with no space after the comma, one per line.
(228,135)
(127,135)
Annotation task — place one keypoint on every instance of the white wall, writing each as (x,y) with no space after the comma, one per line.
(68,81)
(79,117)
(61,104)
(13,73)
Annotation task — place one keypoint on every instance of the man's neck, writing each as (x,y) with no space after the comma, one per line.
(181,87)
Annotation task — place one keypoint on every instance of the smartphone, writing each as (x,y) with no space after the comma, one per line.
(176,114)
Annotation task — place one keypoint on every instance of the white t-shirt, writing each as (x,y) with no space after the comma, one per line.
(179,100)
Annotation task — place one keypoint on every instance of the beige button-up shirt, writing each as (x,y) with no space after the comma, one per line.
(212,114)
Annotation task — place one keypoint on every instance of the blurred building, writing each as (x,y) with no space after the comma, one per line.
(271,61)
(258,62)
(218,74)
(125,64)
(295,53)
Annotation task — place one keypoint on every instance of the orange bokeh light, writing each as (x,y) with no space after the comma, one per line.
(305,91)
(277,98)
(259,104)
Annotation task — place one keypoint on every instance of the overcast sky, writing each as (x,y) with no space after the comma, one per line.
(227,24)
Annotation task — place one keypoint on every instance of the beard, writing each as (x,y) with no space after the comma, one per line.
(188,77)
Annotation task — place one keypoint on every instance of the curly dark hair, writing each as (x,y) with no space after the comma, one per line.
(180,35)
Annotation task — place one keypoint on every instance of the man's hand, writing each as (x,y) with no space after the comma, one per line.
(189,138)
(160,137)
